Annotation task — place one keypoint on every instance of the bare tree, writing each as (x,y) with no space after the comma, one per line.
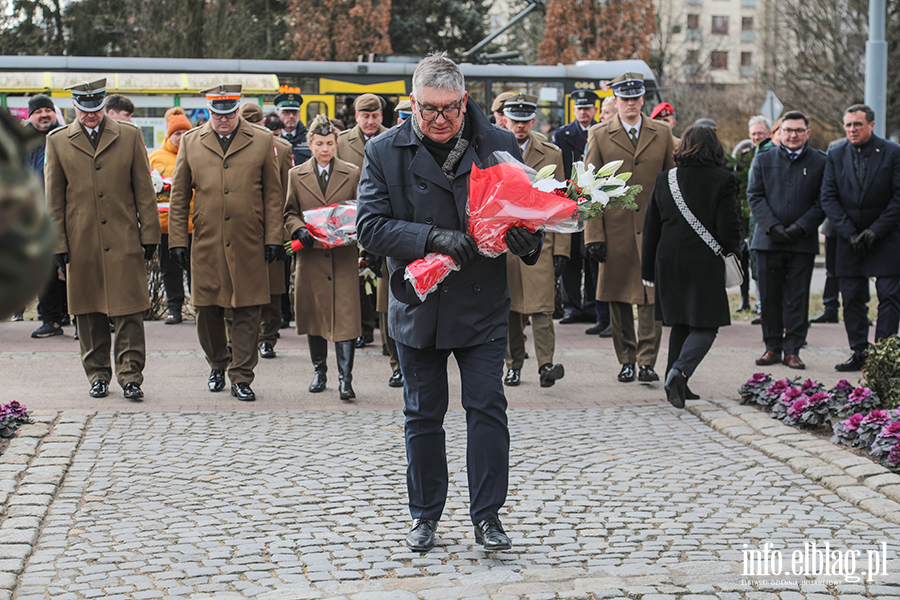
(338,29)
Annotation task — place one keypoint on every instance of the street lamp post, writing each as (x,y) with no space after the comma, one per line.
(876,65)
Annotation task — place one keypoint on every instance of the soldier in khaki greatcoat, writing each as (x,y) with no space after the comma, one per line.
(100,194)
(532,289)
(230,167)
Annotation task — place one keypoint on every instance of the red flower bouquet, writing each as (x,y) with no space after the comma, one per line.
(331,226)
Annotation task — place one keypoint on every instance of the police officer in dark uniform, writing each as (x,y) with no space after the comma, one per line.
(294,131)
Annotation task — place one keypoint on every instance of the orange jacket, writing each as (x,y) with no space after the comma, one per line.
(163,160)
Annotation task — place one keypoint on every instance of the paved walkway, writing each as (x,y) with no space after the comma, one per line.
(613,494)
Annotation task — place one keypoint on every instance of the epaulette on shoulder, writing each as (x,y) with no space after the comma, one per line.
(193,130)
(57,130)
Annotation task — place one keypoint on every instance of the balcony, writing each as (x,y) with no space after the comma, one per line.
(748,36)
(747,71)
(693,35)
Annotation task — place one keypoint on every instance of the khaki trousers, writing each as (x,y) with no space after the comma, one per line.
(544,339)
(213,335)
(644,349)
(130,350)
(270,320)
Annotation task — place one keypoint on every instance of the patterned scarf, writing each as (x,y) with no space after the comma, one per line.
(449,166)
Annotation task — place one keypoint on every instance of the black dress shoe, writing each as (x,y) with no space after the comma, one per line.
(285,323)
(825,317)
(596,329)
(421,537)
(646,374)
(513,377)
(242,392)
(173,318)
(396,380)
(318,383)
(688,394)
(216,380)
(489,533)
(756,321)
(676,388)
(266,350)
(568,319)
(364,340)
(854,363)
(606,333)
(133,391)
(550,373)
(627,373)
(99,389)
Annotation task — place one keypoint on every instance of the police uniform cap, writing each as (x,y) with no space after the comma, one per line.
(321,125)
(223,99)
(584,98)
(521,107)
(252,112)
(405,106)
(368,103)
(662,110)
(89,96)
(288,101)
(628,85)
(497,105)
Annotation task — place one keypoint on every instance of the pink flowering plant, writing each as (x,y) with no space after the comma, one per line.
(885,441)
(12,415)
(815,411)
(893,459)
(792,396)
(754,386)
(846,432)
(871,426)
(861,399)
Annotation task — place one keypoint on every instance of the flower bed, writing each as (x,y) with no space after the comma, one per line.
(12,415)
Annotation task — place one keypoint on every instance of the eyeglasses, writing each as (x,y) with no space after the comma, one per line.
(231,115)
(789,131)
(854,125)
(450,113)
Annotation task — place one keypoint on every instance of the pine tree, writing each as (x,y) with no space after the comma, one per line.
(427,26)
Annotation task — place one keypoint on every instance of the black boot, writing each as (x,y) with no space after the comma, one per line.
(318,352)
(344,351)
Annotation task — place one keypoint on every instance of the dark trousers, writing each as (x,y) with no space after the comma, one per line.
(270,320)
(578,284)
(129,348)
(367,309)
(830,295)
(784,279)
(855,294)
(213,335)
(425,397)
(688,346)
(52,306)
(172,275)
(286,304)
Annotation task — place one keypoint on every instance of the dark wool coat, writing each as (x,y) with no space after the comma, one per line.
(689,277)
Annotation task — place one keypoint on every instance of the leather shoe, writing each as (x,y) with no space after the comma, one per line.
(825,317)
(242,392)
(364,340)
(627,373)
(793,361)
(216,380)
(549,373)
(173,318)
(345,390)
(99,389)
(606,333)
(676,388)
(318,383)
(489,533)
(568,319)
(133,391)
(769,357)
(688,394)
(756,321)
(396,379)
(421,536)
(854,363)
(596,329)
(266,350)
(646,374)
(513,377)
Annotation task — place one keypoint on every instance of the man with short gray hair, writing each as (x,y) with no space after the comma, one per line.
(412,201)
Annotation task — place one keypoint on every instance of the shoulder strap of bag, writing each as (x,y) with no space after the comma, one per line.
(689,216)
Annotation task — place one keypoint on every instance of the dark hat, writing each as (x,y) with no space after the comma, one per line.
(39,101)
(288,101)
(89,96)
(583,98)
(404,109)
(663,109)
(321,125)
(497,105)
(628,85)
(223,99)
(520,107)
(707,122)
(252,112)
(368,103)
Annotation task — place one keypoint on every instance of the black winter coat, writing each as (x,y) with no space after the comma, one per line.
(689,277)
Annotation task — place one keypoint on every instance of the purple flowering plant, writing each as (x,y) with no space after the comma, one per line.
(871,426)
(861,399)
(886,439)
(781,407)
(756,385)
(816,410)
(893,459)
(12,415)
(846,432)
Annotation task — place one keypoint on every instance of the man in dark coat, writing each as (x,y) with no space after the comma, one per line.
(288,104)
(412,201)
(861,198)
(784,196)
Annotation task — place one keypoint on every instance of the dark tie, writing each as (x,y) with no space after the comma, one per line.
(94,138)
(632,133)
(323,180)
(793,156)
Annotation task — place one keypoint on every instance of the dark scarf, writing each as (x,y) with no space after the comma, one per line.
(447,154)
(861,157)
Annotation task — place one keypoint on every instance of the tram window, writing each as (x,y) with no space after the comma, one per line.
(476,91)
(314,108)
(498,87)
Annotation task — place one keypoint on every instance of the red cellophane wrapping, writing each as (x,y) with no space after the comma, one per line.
(331,226)
(427,273)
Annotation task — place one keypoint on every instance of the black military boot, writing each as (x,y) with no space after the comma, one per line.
(344,353)
(318,352)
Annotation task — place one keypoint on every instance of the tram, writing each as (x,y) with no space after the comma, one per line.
(157,84)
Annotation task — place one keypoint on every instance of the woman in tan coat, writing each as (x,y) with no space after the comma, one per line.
(327,280)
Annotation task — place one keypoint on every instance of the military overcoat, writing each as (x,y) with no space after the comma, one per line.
(327,280)
(620,276)
(105,209)
(238,208)
(283,151)
(352,145)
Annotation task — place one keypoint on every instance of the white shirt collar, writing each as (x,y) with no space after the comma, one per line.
(524,146)
(320,169)
(637,127)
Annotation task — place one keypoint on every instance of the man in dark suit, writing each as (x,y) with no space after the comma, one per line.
(861,198)
(412,201)
(784,196)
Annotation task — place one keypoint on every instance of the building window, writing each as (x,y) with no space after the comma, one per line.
(720,25)
(718,60)
(746,59)
(746,23)
(693,22)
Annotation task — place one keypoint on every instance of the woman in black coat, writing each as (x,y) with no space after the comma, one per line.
(689,277)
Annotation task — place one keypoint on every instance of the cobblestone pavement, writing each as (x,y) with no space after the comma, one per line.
(607,502)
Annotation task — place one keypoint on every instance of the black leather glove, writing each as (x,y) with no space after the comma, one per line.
(779,234)
(457,245)
(179,257)
(868,237)
(304,236)
(149,251)
(794,231)
(559,263)
(597,251)
(273,252)
(522,242)
(858,245)
(61,260)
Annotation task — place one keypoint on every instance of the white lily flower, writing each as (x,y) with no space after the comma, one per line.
(610,168)
(548,185)
(584,178)
(545,173)
(597,194)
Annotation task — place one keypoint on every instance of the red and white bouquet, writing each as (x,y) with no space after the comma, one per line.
(330,226)
(163,188)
